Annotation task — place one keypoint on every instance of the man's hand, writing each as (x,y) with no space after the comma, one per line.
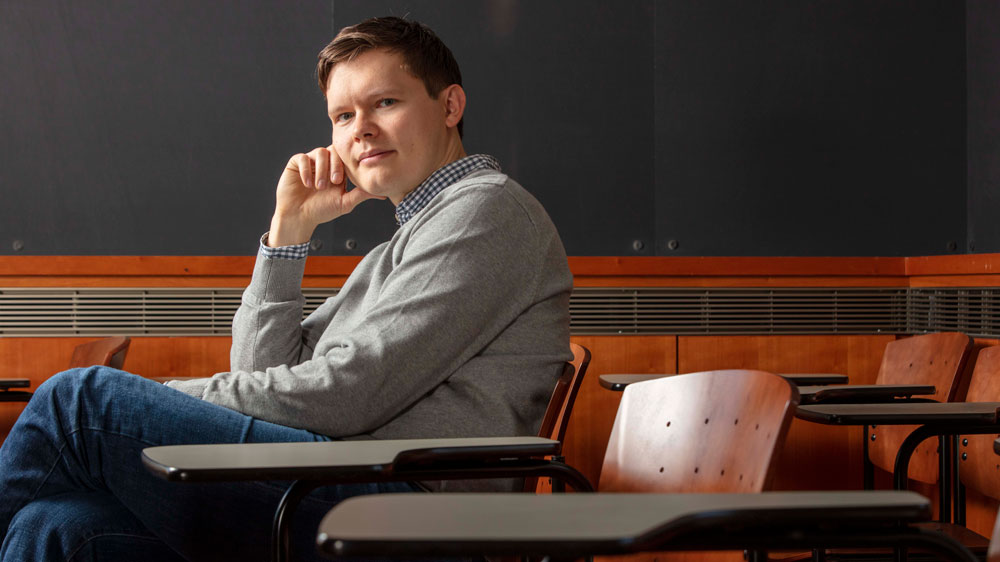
(312,190)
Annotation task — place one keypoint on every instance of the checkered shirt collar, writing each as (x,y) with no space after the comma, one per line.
(417,199)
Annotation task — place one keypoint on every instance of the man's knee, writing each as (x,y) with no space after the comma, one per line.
(72,525)
(78,392)
(87,379)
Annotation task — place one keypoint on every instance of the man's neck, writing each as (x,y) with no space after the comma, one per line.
(456,151)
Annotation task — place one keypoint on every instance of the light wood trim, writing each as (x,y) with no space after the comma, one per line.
(157,266)
(166,266)
(582,266)
(332,271)
(755,281)
(956,281)
(736,266)
(150,281)
(965,264)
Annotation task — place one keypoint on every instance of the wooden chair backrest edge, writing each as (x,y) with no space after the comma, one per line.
(938,359)
(109,352)
(980,467)
(715,431)
(560,406)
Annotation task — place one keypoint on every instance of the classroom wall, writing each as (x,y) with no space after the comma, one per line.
(678,128)
(983,37)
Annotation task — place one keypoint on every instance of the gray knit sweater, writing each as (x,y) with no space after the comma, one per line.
(456,327)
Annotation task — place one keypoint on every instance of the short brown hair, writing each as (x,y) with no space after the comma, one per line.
(425,55)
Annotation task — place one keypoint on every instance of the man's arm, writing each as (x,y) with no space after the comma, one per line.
(312,190)
(465,276)
(267,328)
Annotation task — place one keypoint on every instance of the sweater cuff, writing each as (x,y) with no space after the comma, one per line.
(292,252)
(277,279)
(195,387)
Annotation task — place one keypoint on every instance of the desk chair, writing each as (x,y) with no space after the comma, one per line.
(311,465)
(978,419)
(703,432)
(572,526)
(689,437)
(567,527)
(556,418)
(107,351)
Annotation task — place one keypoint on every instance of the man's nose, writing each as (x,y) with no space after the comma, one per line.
(364,126)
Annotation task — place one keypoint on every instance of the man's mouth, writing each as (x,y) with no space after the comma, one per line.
(372,156)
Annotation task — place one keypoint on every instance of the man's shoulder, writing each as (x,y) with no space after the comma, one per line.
(485,189)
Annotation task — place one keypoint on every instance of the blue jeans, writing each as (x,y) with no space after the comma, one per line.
(72,485)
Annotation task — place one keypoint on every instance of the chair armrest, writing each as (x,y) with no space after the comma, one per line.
(567,526)
(866,393)
(336,460)
(618,382)
(14,383)
(7,394)
(815,379)
(963,414)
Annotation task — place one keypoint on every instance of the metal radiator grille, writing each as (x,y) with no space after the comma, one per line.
(208,312)
(737,311)
(974,311)
(129,312)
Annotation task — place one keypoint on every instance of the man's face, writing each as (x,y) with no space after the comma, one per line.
(390,134)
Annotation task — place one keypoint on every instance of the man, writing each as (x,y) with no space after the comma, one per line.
(458,326)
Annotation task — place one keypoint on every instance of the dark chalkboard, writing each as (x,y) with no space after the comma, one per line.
(716,127)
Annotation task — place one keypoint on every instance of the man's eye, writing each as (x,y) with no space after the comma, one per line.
(344,117)
(386,102)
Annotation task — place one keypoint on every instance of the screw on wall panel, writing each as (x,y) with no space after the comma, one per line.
(350,244)
(972,245)
(673,244)
(18,245)
(315,244)
(638,245)
(965,442)
(952,246)
(965,456)
(873,436)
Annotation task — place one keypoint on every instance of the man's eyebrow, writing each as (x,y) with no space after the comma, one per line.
(373,95)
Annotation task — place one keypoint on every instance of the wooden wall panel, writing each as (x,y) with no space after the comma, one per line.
(815,457)
(595,407)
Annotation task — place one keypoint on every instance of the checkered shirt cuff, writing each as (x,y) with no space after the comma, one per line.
(293,252)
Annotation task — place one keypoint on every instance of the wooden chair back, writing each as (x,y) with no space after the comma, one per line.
(109,352)
(980,467)
(993,553)
(560,405)
(715,431)
(935,359)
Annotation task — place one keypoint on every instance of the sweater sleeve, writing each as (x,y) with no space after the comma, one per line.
(267,327)
(465,272)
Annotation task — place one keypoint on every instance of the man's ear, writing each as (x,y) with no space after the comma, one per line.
(454,104)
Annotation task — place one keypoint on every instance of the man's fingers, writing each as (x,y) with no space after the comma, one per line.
(321,156)
(336,167)
(304,165)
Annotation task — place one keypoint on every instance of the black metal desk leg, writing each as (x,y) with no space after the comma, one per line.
(281,528)
(558,484)
(957,486)
(868,469)
(945,454)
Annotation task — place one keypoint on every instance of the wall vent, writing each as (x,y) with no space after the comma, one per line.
(594,310)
